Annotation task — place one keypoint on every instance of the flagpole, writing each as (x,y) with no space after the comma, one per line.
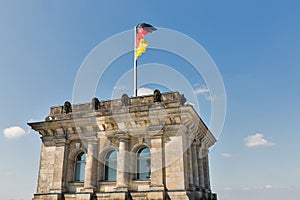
(135,66)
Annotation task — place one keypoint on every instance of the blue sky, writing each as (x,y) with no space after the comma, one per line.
(255,45)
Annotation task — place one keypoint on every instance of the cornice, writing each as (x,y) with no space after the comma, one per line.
(141,118)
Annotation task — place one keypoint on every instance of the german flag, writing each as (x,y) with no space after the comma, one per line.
(141,44)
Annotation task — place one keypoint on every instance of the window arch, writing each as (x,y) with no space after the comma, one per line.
(110,166)
(79,167)
(143,164)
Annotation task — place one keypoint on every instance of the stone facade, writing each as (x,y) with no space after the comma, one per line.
(79,141)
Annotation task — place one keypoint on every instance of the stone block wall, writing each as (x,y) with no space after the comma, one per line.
(174,133)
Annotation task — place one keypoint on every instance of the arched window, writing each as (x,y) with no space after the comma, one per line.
(143,164)
(110,169)
(79,167)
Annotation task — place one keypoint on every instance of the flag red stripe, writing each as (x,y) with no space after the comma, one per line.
(140,35)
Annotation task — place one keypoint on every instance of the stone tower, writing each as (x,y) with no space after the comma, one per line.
(147,147)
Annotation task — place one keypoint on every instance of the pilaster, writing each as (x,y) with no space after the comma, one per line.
(157,165)
(174,163)
(59,162)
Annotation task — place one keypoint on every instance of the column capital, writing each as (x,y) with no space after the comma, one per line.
(156,136)
(155,133)
(205,151)
(92,140)
(60,140)
(194,143)
(123,137)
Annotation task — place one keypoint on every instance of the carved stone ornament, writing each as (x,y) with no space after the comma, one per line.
(182,99)
(67,107)
(157,96)
(125,100)
(95,104)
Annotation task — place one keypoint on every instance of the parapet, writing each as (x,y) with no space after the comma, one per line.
(109,107)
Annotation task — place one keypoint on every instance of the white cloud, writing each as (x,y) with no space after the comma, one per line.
(227,189)
(257,140)
(144,91)
(205,92)
(226,155)
(8,173)
(33,120)
(268,187)
(120,87)
(189,104)
(201,90)
(264,187)
(13,132)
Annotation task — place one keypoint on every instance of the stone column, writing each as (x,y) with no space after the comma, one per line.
(188,160)
(185,163)
(156,150)
(190,167)
(195,165)
(206,169)
(200,167)
(90,167)
(122,165)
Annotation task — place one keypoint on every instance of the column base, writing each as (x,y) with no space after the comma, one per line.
(112,196)
(84,196)
(190,195)
(47,196)
(89,189)
(56,190)
(156,195)
(122,188)
(156,187)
